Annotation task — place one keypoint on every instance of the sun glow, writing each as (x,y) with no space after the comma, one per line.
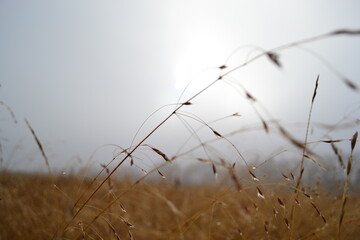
(199,60)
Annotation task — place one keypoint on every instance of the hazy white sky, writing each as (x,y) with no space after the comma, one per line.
(88,73)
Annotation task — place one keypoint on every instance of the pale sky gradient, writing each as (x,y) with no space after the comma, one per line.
(87,73)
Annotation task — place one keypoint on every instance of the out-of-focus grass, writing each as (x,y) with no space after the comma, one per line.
(33,208)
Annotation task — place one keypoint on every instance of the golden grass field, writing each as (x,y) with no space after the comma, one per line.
(35,206)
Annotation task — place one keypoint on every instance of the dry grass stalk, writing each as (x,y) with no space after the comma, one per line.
(287,135)
(337,153)
(39,145)
(1,157)
(259,193)
(304,150)
(234,178)
(274,57)
(110,188)
(12,114)
(160,173)
(282,204)
(163,155)
(346,185)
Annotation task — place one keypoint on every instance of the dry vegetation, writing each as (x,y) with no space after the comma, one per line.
(33,208)
(239,206)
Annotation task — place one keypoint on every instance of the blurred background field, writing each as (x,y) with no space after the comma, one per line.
(33,208)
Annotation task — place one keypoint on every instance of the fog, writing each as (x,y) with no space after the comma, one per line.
(87,74)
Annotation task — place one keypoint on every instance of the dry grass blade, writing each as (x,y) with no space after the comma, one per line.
(290,138)
(274,57)
(163,155)
(307,195)
(130,235)
(1,156)
(324,219)
(346,31)
(342,213)
(255,206)
(128,224)
(349,165)
(275,212)
(333,141)
(307,132)
(259,193)
(216,133)
(337,153)
(292,176)
(122,208)
(10,111)
(250,97)
(282,204)
(253,176)
(214,169)
(304,150)
(317,210)
(315,90)
(160,173)
(204,160)
(266,128)
(346,185)
(286,177)
(39,145)
(287,223)
(113,230)
(350,84)
(313,159)
(266,225)
(353,141)
(235,178)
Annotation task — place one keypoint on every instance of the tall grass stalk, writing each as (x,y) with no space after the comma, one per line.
(346,185)
(301,170)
